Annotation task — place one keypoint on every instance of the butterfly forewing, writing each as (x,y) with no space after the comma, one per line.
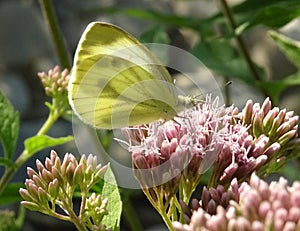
(117,82)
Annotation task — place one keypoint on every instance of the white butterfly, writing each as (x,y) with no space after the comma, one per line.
(117,82)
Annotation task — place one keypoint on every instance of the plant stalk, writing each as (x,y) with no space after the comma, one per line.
(57,37)
(228,14)
(9,172)
(130,213)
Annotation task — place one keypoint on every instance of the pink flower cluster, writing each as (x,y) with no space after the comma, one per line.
(236,143)
(55,81)
(167,152)
(261,206)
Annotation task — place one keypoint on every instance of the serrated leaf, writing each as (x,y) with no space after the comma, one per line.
(9,126)
(37,143)
(290,47)
(11,194)
(111,191)
(274,16)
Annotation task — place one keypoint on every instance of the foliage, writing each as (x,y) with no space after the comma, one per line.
(221,47)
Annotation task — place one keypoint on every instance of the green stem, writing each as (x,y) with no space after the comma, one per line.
(58,41)
(239,39)
(68,205)
(57,215)
(177,204)
(159,205)
(21,216)
(83,202)
(62,53)
(172,210)
(165,217)
(9,172)
(130,214)
(52,117)
(216,173)
(77,221)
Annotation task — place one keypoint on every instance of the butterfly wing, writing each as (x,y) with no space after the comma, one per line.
(117,82)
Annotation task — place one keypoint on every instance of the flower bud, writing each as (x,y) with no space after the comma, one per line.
(247,112)
(100,171)
(78,175)
(31,172)
(55,82)
(257,124)
(31,205)
(42,195)
(38,181)
(48,164)
(53,188)
(46,175)
(269,118)
(39,165)
(276,122)
(55,184)
(25,194)
(266,106)
(70,172)
(287,137)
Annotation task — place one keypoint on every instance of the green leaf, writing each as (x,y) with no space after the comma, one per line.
(11,194)
(242,12)
(110,190)
(151,15)
(290,171)
(105,137)
(274,16)
(290,47)
(37,143)
(275,88)
(9,126)
(253,5)
(6,162)
(220,56)
(155,34)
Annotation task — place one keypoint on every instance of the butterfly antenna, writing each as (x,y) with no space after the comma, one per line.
(196,97)
(228,83)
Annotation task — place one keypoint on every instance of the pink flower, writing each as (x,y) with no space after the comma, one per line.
(261,206)
(55,81)
(169,158)
(258,139)
(165,153)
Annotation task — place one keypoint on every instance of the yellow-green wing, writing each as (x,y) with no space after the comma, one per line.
(117,82)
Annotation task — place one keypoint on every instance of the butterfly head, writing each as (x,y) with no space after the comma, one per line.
(188,101)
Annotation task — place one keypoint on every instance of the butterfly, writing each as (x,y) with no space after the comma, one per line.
(117,82)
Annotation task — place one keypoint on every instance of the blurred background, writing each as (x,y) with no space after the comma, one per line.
(199,27)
